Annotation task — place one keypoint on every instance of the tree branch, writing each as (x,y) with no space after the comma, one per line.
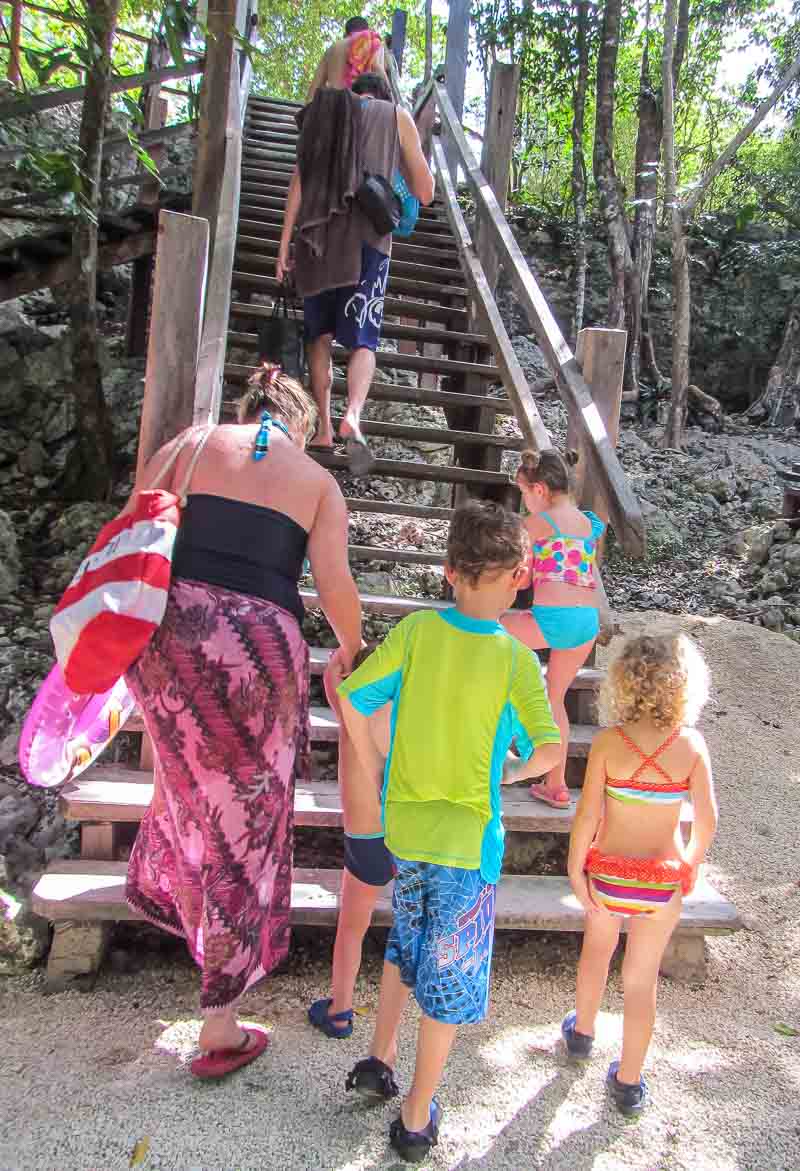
(723,160)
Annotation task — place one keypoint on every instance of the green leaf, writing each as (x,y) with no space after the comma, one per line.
(786,1030)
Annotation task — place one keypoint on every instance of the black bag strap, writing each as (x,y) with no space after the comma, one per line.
(284,303)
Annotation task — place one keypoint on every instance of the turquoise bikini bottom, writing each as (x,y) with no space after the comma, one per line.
(566,627)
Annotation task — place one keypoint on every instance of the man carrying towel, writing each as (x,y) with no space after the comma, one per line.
(341,264)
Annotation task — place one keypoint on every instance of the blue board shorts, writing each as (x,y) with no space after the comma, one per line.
(567,627)
(442,939)
(367,859)
(354,313)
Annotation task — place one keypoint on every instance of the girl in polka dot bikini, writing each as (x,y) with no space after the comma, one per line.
(567,591)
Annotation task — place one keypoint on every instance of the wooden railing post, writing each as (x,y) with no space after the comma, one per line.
(498,148)
(399,22)
(600,353)
(217,178)
(455,70)
(176,320)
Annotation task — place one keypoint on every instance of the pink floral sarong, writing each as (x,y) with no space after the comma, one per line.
(223,689)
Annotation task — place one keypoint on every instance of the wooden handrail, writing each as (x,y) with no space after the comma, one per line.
(624,511)
(21,107)
(533,429)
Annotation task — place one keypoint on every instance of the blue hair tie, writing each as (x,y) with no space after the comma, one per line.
(263,437)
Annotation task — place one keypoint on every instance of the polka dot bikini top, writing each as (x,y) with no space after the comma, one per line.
(566,559)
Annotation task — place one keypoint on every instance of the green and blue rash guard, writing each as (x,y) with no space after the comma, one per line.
(461,690)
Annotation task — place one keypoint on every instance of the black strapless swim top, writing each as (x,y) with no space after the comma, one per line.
(242,547)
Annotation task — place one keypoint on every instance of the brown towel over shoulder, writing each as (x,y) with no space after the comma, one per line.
(329,162)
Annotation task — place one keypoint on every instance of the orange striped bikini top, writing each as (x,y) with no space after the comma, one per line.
(633,791)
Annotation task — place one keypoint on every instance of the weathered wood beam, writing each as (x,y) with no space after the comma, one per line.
(455,67)
(217,181)
(176,321)
(624,510)
(48,275)
(21,107)
(530,421)
(498,148)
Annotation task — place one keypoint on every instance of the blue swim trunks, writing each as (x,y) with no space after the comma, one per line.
(354,313)
(567,627)
(442,939)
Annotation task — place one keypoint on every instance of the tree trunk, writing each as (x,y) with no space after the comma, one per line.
(648,152)
(15,37)
(89,473)
(579,164)
(779,403)
(624,301)
(428,41)
(681,289)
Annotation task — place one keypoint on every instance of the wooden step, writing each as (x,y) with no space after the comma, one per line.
(398,508)
(437,435)
(404,306)
(107,793)
(420,236)
(269,234)
(395,392)
(396,556)
(450,279)
(406,260)
(389,329)
(409,470)
(388,604)
(85,890)
(397,284)
(393,360)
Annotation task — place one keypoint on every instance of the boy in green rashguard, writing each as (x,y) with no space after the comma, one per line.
(461,689)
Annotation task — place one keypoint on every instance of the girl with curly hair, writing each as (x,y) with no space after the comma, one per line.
(627,858)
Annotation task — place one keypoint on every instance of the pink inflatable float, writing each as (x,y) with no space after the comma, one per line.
(64,732)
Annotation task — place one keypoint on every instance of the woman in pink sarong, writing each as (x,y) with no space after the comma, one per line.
(223,689)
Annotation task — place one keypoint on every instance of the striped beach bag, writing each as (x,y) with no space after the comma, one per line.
(116,600)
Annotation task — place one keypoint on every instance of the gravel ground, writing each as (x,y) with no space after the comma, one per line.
(83,1079)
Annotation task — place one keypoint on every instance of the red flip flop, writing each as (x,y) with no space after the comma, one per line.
(541,794)
(220,1062)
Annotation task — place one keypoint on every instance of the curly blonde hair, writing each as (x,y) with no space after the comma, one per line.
(660,678)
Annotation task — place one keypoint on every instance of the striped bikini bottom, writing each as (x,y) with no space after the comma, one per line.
(635,886)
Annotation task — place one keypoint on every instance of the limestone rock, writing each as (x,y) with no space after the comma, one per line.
(23,936)
(9,557)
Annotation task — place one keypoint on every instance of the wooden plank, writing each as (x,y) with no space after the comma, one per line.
(217,175)
(389,360)
(455,68)
(396,284)
(390,329)
(397,508)
(47,276)
(22,107)
(100,798)
(437,435)
(399,23)
(176,319)
(408,470)
(527,413)
(624,510)
(396,556)
(498,148)
(96,890)
(600,353)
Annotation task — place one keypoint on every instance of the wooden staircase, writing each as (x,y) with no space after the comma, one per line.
(444,352)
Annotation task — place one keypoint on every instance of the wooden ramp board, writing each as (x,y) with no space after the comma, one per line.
(111,793)
(86,890)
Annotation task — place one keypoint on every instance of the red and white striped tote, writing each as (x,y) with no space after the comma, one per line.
(116,600)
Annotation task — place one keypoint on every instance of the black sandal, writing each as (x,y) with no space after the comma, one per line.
(372,1079)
